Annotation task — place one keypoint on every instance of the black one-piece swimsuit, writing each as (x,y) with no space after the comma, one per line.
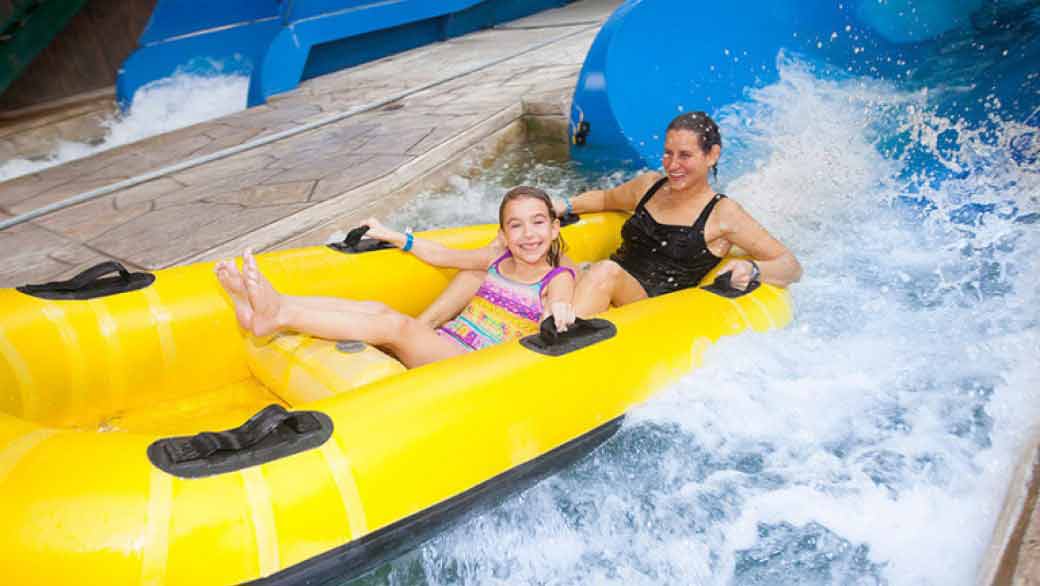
(664,257)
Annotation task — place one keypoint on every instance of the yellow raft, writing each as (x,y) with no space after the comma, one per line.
(365,459)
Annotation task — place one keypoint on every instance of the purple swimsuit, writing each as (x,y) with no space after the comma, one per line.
(502,310)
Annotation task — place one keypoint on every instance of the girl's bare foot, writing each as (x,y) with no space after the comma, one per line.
(231,280)
(265,301)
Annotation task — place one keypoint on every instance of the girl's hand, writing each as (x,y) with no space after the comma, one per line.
(559,206)
(742,272)
(378,231)
(563,314)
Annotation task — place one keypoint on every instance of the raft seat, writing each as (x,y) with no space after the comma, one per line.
(219,408)
(300,369)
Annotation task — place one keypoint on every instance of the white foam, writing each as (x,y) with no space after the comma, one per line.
(161,106)
(886,418)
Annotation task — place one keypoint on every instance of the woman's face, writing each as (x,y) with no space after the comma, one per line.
(685,164)
(528,228)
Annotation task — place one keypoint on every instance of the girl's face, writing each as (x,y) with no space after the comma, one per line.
(529,230)
(685,164)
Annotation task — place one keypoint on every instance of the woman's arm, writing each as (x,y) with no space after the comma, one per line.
(436,254)
(776,264)
(622,198)
(558,298)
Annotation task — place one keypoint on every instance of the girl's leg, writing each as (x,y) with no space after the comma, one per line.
(413,342)
(604,284)
(339,304)
(454,298)
(231,280)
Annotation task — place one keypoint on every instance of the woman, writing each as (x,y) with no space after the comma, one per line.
(679,231)
(680,228)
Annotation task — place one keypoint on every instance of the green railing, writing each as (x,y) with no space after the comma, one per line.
(26,28)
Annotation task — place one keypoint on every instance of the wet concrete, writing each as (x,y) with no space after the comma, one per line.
(1013,557)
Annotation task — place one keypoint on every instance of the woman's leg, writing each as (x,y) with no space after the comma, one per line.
(413,342)
(454,298)
(604,284)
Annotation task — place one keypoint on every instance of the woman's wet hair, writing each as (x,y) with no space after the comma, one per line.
(558,246)
(704,127)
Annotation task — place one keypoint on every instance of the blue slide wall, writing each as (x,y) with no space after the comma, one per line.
(655,58)
(279,43)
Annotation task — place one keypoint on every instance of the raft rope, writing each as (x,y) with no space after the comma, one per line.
(224,153)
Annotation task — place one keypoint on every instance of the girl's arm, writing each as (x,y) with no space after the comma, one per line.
(622,198)
(454,298)
(776,264)
(436,254)
(558,298)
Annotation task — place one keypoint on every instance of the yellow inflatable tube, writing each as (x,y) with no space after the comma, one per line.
(91,390)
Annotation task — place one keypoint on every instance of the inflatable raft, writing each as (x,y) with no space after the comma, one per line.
(330,456)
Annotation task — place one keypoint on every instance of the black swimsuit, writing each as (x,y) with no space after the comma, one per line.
(665,257)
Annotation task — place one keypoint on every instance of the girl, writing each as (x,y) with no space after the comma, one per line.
(510,303)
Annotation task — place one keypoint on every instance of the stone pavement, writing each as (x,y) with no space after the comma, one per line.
(297,190)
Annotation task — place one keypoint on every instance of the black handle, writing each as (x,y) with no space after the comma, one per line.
(569,218)
(722,285)
(353,243)
(91,283)
(582,133)
(580,334)
(270,434)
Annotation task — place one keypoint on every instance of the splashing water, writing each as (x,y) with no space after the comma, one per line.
(161,106)
(868,443)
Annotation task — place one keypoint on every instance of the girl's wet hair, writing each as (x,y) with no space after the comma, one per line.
(521,191)
(704,127)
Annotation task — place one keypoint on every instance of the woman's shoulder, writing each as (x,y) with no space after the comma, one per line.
(631,191)
(728,206)
(730,215)
(647,180)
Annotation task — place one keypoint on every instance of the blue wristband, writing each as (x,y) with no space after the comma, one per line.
(409,241)
(570,206)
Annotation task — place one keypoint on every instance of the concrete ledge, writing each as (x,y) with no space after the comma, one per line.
(1013,556)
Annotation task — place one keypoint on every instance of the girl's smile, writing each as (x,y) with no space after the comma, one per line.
(529,230)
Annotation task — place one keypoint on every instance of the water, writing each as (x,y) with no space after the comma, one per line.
(868,443)
(161,106)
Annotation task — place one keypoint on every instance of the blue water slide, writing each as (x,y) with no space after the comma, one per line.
(278,43)
(654,59)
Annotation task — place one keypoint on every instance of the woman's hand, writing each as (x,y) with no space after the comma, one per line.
(742,272)
(380,232)
(563,314)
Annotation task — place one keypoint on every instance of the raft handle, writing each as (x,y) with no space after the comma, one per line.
(92,283)
(569,218)
(582,333)
(721,286)
(270,434)
(353,244)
